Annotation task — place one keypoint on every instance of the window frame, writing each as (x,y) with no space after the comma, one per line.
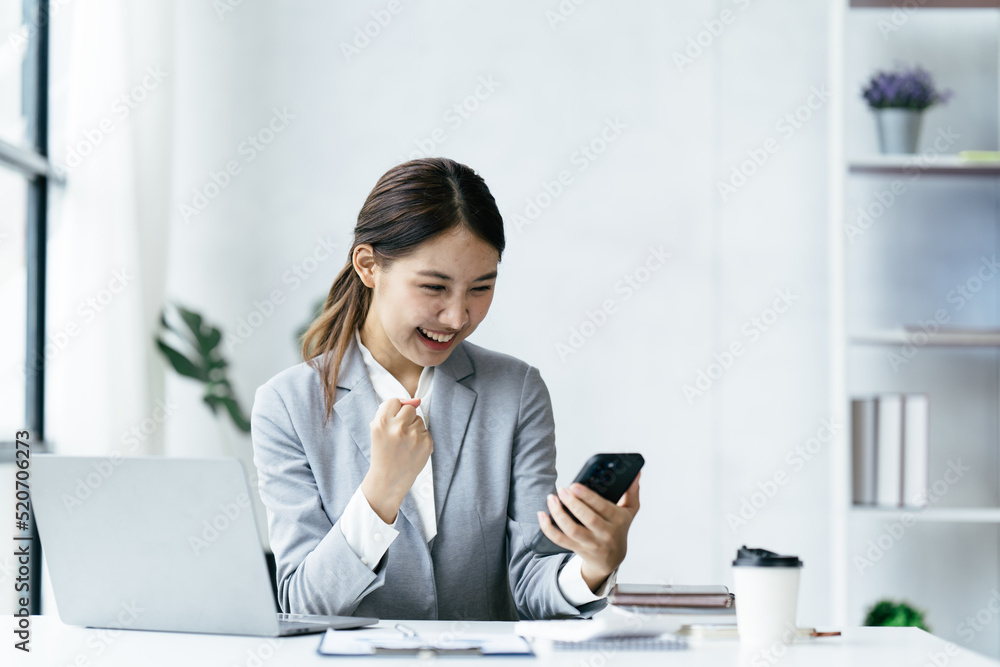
(32,161)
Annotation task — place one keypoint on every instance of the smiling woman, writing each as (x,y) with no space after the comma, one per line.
(363,520)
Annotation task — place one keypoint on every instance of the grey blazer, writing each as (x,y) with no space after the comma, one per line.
(493,464)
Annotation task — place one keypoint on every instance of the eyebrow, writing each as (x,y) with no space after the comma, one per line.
(441,276)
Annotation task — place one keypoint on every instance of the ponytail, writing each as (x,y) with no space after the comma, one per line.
(343,314)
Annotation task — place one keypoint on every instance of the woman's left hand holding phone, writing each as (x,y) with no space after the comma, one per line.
(401,445)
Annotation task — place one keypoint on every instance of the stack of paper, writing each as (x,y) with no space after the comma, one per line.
(612,631)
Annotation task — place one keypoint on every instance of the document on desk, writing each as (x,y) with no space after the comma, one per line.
(378,642)
(640,633)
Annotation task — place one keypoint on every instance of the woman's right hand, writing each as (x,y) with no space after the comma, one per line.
(400,448)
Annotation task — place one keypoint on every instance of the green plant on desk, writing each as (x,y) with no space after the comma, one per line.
(193,349)
(889,612)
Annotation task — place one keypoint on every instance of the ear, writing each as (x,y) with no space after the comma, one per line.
(364,263)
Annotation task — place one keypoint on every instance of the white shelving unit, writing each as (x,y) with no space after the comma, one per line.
(947,4)
(943,165)
(951,515)
(846,518)
(951,338)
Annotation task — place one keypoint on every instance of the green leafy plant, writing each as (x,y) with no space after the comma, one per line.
(889,612)
(193,349)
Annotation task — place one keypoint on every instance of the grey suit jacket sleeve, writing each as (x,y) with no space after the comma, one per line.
(534,577)
(317,571)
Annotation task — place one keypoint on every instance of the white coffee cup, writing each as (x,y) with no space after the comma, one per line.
(767,593)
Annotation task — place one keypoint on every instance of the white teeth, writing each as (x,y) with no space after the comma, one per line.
(438,337)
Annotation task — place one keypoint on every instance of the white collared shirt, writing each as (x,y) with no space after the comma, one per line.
(370,537)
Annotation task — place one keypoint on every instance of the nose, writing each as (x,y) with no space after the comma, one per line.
(455,314)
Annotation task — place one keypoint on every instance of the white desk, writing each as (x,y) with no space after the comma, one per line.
(57,645)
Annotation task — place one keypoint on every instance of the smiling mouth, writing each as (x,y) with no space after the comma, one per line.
(436,337)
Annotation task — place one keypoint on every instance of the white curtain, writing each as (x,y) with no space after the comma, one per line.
(109,96)
(109,132)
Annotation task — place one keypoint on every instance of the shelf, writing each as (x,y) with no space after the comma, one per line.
(950,338)
(941,515)
(943,165)
(857,347)
(943,4)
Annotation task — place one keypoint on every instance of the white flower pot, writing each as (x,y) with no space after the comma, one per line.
(898,130)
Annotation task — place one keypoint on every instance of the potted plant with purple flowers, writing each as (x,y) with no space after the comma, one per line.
(899,99)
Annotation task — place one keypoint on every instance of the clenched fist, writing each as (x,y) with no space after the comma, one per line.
(401,445)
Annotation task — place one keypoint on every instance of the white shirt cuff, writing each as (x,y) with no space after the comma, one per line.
(575,589)
(366,533)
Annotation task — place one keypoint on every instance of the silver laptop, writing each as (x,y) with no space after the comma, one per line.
(159,543)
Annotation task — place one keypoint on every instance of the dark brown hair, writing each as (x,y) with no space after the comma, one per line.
(412,203)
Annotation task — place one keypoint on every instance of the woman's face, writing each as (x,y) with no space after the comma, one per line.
(444,288)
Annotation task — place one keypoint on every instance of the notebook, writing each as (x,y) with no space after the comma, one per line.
(672,596)
(664,643)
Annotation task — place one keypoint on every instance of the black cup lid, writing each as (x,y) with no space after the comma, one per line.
(747,557)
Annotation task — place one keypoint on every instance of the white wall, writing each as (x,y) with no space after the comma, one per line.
(656,185)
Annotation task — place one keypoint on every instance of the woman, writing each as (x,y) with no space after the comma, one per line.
(403,468)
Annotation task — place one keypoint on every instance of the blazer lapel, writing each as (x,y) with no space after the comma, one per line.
(451,409)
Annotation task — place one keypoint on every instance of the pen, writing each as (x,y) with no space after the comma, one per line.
(406,630)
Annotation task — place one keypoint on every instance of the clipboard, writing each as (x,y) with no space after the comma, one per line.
(383,642)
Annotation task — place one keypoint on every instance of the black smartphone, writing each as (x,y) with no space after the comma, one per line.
(609,475)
